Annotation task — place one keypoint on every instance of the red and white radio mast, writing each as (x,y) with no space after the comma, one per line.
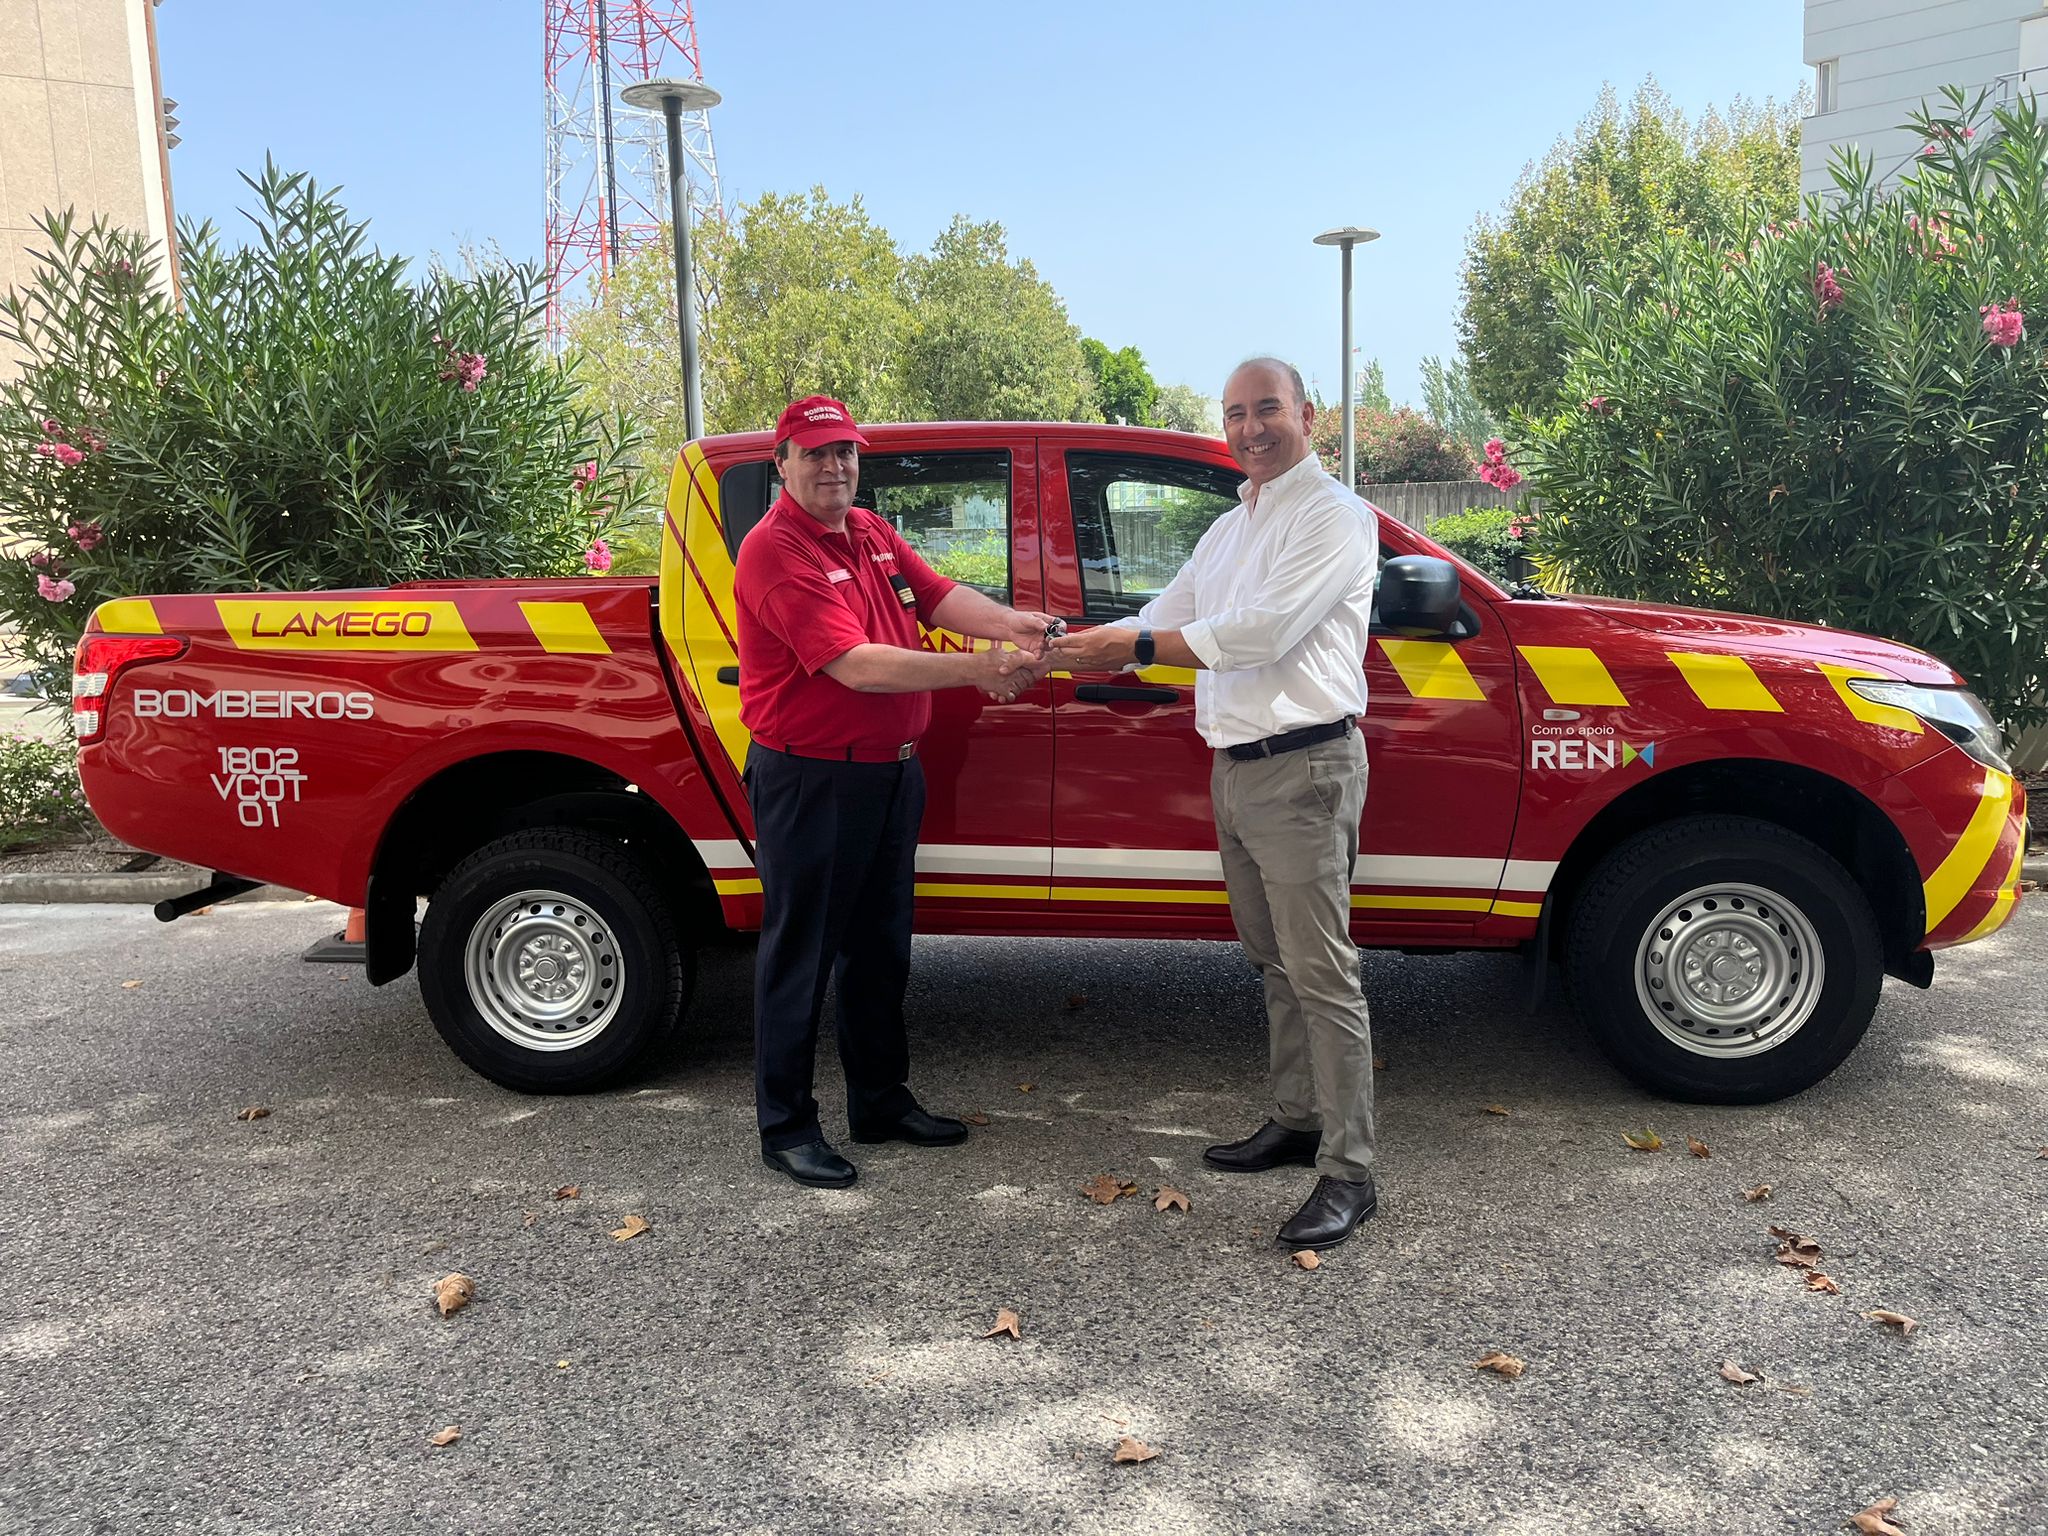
(607,185)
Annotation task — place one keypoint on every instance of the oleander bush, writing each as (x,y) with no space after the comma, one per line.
(1842,418)
(311,416)
(40,797)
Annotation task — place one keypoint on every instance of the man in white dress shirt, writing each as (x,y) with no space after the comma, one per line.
(1273,609)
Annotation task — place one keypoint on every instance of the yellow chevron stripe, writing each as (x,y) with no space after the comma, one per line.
(1571,674)
(1431,669)
(997,892)
(1422,903)
(1518,909)
(1136,893)
(2003,903)
(700,472)
(343,624)
(128,616)
(737,887)
(1869,711)
(1952,881)
(1725,682)
(565,629)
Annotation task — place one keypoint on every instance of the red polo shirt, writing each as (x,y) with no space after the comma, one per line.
(806,597)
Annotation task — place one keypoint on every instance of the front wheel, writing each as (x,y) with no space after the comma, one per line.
(550,962)
(1722,960)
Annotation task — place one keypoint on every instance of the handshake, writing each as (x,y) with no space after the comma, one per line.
(1006,675)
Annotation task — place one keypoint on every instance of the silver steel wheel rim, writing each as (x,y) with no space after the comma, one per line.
(1729,970)
(544,970)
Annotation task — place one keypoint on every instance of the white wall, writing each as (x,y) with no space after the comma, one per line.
(1893,54)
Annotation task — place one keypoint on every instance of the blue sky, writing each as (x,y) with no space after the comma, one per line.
(1163,165)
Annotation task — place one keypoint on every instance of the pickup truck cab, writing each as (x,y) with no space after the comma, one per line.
(1728,830)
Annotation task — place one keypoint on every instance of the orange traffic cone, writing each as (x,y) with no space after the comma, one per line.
(353,933)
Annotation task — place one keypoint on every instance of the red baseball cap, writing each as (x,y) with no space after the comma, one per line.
(816,419)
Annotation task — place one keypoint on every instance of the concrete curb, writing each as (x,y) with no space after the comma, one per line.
(148,887)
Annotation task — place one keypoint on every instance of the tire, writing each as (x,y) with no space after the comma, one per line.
(1720,960)
(550,963)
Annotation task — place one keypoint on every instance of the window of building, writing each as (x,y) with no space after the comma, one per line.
(1825,85)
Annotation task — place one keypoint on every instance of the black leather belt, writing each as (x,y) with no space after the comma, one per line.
(1290,741)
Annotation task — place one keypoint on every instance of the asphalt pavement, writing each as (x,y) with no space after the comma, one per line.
(218,1325)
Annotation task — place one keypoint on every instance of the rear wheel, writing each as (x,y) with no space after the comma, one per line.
(550,962)
(1723,960)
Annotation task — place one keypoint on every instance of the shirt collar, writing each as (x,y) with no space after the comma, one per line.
(1300,474)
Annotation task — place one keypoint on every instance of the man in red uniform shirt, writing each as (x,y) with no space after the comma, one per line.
(833,686)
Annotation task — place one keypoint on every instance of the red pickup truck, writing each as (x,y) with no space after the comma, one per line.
(1728,830)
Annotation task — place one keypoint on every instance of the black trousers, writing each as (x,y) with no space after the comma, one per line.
(836,845)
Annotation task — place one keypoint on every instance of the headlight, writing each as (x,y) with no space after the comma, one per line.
(1954,712)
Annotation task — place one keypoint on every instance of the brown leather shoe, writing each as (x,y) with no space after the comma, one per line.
(1331,1214)
(1270,1146)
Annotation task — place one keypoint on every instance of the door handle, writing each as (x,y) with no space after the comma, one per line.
(729,675)
(1125,693)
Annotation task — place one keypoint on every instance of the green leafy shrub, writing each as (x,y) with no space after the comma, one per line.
(1393,446)
(984,563)
(1482,535)
(40,797)
(1843,419)
(310,418)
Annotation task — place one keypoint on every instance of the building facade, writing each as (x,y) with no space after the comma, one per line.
(81,123)
(1875,61)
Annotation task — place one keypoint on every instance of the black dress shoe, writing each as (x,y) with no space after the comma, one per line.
(917,1128)
(813,1163)
(1270,1146)
(1332,1213)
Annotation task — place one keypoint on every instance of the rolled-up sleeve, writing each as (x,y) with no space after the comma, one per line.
(1325,557)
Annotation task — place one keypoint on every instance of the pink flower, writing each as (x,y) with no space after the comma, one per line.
(1826,289)
(1502,477)
(54,591)
(1927,149)
(87,536)
(2003,327)
(1597,404)
(465,367)
(63,453)
(586,474)
(1496,451)
(598,557)
(44,560)
(52,427)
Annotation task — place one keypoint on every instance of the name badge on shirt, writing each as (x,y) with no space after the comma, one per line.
(901,583)
(839,575)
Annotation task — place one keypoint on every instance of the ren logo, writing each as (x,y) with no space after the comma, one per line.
(1586,754)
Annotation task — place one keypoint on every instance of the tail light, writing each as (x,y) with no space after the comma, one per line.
(101,659)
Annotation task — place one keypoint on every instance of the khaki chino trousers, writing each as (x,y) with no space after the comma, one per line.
(1288,830)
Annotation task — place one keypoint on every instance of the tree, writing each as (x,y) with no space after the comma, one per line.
(1623,179)
(1841,419)
(1124,387)
(1393,446)
(1372,388)
(989,339)
(1448,399)
(1185,410)
(311,417)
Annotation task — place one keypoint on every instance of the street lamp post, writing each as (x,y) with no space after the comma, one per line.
(1346,238)
(672,98)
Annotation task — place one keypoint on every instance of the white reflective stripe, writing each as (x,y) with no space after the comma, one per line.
(1137,863)
(723,854)
(980,859)
(1528,875)
(1410,869)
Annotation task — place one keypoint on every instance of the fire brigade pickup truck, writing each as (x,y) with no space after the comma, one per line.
(1726,831)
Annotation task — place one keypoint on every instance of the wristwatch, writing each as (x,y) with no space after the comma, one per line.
(1144,650)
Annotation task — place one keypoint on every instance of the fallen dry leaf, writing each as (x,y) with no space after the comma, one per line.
(1076,1000)
(254,1112)
(1816,1281)
(200,912)
(453,1292)
(447,1436)
(1643,1141)
(1105,1187)
(1495,1109)
(1760,1192)
(1026,1087)
(1128,1449)
(1730,1371)
(569,1192)
(1898,1320)
(977,1118)
(1793,1249)
(1169,1197)
(1006,1322)
(1506,1365)
(2044,1152)
(528,1218)
(1873,1520)
(1379,1063)
(1697,1147)
(130,986)
(631,1228)
(1308,1258)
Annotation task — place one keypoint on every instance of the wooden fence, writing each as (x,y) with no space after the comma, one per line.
(1418,503)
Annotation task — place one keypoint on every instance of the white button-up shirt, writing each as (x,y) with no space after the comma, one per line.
(1277,602)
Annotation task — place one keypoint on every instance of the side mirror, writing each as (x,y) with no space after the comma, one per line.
(1419,595)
